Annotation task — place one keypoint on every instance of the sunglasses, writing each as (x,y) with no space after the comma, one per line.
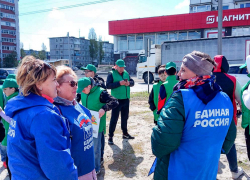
(39,68)
(71,83)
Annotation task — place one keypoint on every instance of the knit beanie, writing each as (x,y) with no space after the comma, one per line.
(197,64)
(10,83)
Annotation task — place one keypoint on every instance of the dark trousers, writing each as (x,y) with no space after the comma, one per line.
(247,136)
(8,169)
(123,107)
(103,145)
(232,159)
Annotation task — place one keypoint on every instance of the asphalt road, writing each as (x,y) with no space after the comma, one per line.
(139,86)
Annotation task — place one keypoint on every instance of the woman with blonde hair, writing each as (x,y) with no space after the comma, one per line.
(82,150)
(38,137)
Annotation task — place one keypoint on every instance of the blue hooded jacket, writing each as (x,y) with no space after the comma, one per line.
(38,140)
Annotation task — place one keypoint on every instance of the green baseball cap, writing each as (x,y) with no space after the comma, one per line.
(10,83)
(89,67)
(120,63)
(243,66)
(11,76)
(170,65)
(83,83)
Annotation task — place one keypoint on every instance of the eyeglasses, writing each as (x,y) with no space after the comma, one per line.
(71,83)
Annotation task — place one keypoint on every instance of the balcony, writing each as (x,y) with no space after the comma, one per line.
(199,2)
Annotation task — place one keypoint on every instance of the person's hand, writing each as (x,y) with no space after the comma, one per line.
(1,109)
(101,113)
(122,82)
(127,83)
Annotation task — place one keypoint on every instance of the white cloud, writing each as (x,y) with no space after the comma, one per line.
(182,4)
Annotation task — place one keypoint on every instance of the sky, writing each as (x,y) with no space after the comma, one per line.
(36,29)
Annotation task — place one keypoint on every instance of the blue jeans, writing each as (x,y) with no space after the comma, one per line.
(3,153)
(97,150)
(232,159)
(103,144)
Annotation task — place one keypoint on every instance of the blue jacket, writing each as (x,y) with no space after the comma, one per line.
(191,132)
(38,140)
(82,149)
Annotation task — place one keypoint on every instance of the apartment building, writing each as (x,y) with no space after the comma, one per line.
(10,36)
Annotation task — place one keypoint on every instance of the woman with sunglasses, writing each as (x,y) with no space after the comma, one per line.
(82,150)
(38,137)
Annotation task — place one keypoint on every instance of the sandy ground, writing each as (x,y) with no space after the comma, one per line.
(132,159)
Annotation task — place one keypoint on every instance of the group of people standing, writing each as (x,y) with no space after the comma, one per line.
(196,118)
(48,133)
(47,121)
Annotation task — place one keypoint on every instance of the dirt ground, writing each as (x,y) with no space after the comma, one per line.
(132,159)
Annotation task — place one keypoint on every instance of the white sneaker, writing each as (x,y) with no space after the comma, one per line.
(238,174)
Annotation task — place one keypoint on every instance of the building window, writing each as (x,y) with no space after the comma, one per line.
(56,40)
(131,42)
(173,36)
(151,36)
(245,5)
(201,8)
(213,33)
(240,31)
(61,46)
(61,52)
(122,43)
(194,34)
(56,46)
(182,36)
(225,7)
(161,37)
(60,40)
(56,52)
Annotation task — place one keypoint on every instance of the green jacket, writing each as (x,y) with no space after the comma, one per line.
(170,127)
(169,84)
(245,111)
(156,90)
(92,102)
(121,92)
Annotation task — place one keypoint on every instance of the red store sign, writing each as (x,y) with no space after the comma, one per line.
(203,20)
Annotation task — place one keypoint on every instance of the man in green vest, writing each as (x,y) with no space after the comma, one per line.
(153,97)
(166,88)
(119,82)
(245,106)
(97,99)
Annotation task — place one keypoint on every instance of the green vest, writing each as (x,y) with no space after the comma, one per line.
(92,102)
(121,92)
(245,111)
(5,123)
(169,85)
(156,90)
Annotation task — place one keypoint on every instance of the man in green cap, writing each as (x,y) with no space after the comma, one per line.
(90,71)
(153,97)
(166,88)
(10,89)
(119,82)
(97,99)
